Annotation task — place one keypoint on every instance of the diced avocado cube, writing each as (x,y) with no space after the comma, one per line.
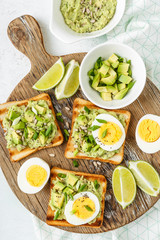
(16,138)
(106,96)
(115,64)
(13,115)
(121,86)
(115,86)
(96,80)
(112,72)
(104,69)
(109,80)
(59,186)
(57,199)
(113,58)
(123,68)
(121,94)
(82,120)
(42,137)
(125,79)
(29,116)
(102,89)
(41,110)
(20,125)
(71,179)
(68,190)
(106,62)
(30,132)
(111,89)
(86,147)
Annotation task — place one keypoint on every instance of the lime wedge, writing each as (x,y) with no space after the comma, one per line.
(51,78)
(146,177)
(70,83)
(124,186)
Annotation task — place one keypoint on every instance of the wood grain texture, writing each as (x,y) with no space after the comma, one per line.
(25,34)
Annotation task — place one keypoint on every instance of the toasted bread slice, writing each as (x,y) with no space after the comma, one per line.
(79,104)
(15,155)
(50,213)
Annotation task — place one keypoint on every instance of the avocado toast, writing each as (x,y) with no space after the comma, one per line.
(64,182)
(74,150)
(29,125)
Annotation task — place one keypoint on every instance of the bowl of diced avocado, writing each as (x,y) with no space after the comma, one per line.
(112,75)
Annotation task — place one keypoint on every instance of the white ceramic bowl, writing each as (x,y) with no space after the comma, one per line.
(60,29)
(105,50)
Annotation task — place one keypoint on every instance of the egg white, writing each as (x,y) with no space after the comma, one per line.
(72,218)
(21,177)
(148,147)
(108,118)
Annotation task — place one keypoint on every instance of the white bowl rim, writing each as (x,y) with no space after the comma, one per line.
(73,39)
(83,63)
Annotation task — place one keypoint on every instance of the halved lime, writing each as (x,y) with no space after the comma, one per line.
(70,83)
(51,78)
(146,176)
(124,186)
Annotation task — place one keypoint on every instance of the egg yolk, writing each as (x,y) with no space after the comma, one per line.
(36,175)
(83,207)
(149,130)
(109,133)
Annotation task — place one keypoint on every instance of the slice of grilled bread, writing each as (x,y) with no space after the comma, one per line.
(15,155)
(50,213)
(78,105)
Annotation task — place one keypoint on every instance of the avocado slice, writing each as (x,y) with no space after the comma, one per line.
(20,125)
(121,94)
(109,80)
(57,200)
(82,120)
(123,68)
(29,116)
(115,64)
(13,115)
(59,186)
(106,96)
(121,86)
(102,89)
(16,138)
(68,190)
(71,179)
(41,110)
(42,138)
(96,80)
(106,62)
(125,79)
(113,58)
(30,132)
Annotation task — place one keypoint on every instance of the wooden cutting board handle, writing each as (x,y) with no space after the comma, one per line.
(25,34)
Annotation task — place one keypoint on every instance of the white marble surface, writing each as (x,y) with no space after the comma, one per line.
(16,222)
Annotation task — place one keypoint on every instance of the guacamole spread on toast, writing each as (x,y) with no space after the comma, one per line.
(30,125)
(84,16)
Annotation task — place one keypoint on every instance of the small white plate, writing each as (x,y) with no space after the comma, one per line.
(59,28)
(105,50)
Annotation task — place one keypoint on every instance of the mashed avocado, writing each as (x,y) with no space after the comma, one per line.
(29,125)
(84,16)
(83,138)
(70,185)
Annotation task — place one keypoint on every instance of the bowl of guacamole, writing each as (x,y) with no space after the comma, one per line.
(74,20)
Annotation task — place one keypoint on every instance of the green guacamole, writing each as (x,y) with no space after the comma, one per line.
(82,135)
(64,190)
(84,16)
(29,125)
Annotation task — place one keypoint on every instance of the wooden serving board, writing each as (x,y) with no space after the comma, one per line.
(25,34)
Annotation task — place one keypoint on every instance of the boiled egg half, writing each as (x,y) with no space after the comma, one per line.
(148,133)
(82,209)
(111,134)
(33,175)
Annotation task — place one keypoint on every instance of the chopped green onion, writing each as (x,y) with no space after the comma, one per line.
(130,85)
(57,214)
(35,135)
(66,134)
(93,128)
(86,109)
(96,184)
(39,118)
(88,208)
(25,133)
(73,211)
(101,121)
(75,163)
(49,130)
(104,133)
(71,197)
(65,197)
(59,114)
(61,175)
(59,119)
(82,187)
